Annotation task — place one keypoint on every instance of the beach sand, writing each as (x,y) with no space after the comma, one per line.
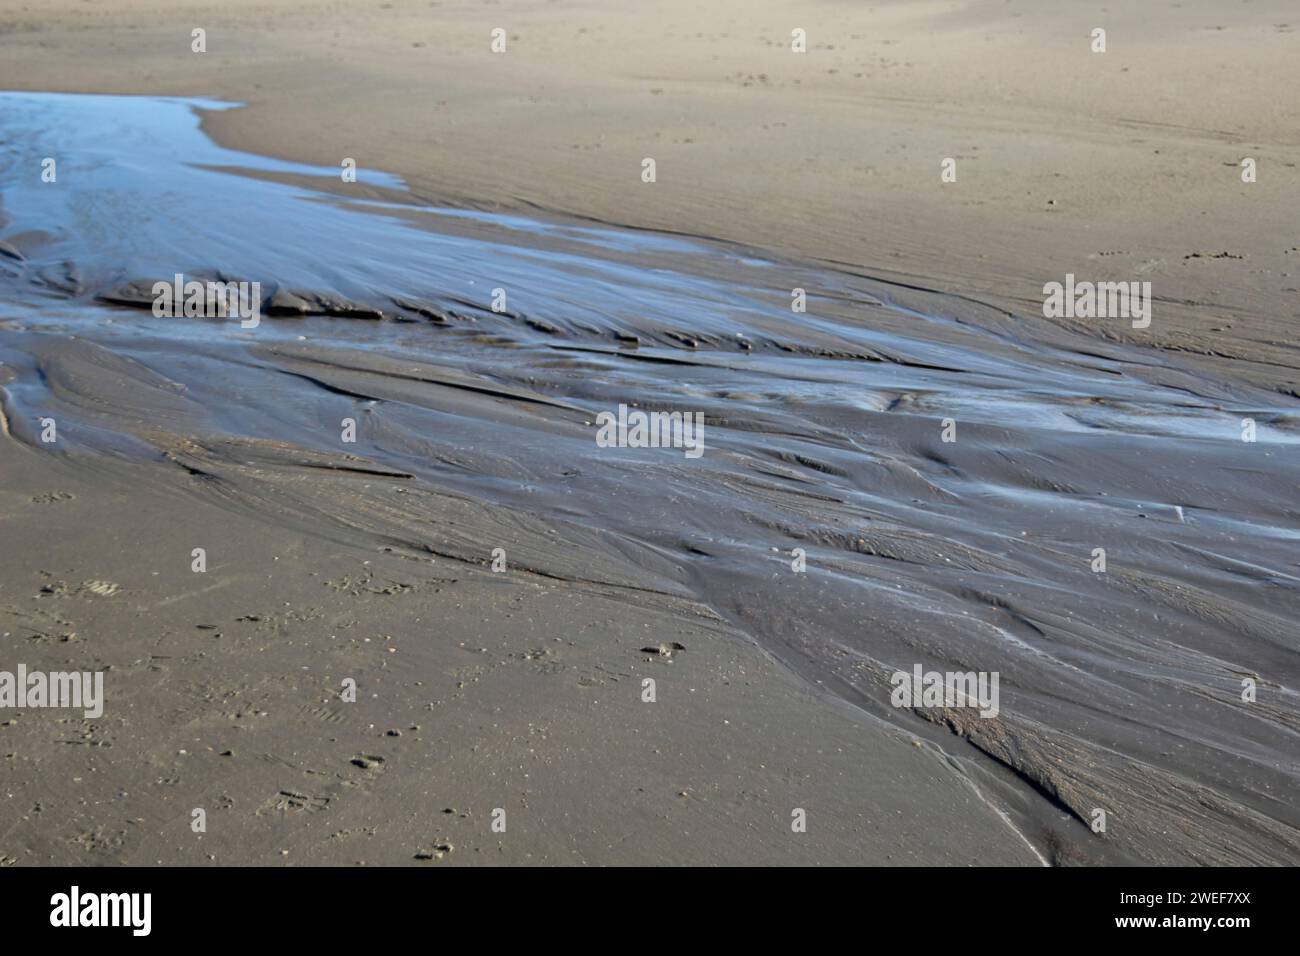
(522,691)
(1120,164)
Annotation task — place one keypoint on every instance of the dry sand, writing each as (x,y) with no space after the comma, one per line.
(521,691)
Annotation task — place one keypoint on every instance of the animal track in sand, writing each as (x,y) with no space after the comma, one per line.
(326,714)
(289,801)
(49,497)
(96,588)
(99,840)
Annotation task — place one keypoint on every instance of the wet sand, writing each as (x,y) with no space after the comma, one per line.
(1120,165)
(522,689)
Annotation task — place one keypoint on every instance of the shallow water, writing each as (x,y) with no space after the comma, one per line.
(822,432)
